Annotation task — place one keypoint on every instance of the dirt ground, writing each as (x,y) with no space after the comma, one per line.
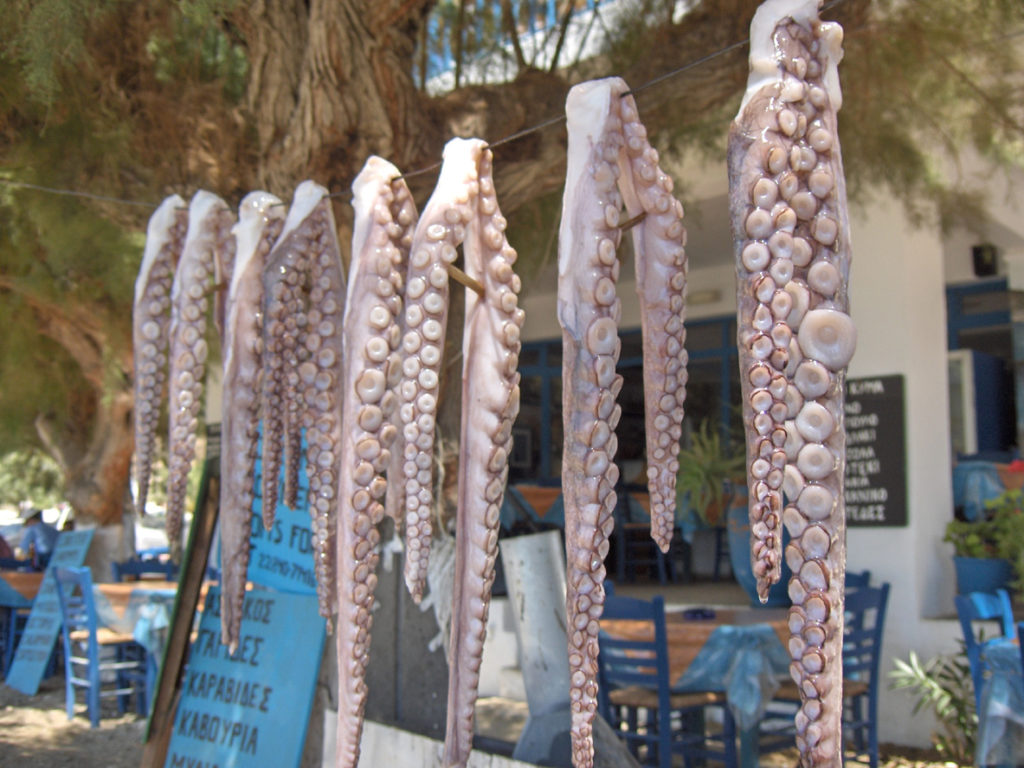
(35,733)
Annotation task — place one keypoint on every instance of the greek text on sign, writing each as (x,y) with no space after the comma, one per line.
(875,492)
(249,708)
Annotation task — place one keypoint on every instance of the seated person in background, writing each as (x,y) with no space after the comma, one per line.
(5,549)
(39,538)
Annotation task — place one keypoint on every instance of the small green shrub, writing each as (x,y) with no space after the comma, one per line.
(943,684)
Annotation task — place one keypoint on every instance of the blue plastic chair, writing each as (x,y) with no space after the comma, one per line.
(864,626)
(85,649)
(635,696)
(982,606)
(862,655)
(136,569)
(634,547)
(12,626)
(858,579)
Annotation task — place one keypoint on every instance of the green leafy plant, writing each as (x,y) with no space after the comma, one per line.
(943,684)
(1000,533)
(706,466)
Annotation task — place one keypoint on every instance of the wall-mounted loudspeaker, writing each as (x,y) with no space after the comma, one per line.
(986,260)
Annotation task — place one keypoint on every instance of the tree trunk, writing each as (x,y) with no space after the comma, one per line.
(95,473)
(340,88)
(93,444)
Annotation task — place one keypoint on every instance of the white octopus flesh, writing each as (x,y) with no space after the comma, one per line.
(490,404)
(151,316)
(304,300)
(205,258)
(261,217)
(795,335)
(610,161)
(384,218)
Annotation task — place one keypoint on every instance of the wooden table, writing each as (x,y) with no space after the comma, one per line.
(25,583)
(540,497)
(686,638)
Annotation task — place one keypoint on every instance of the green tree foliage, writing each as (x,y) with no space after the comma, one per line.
(30,476)
(134,99)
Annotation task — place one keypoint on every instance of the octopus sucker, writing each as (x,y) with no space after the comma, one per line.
(304,301)
(404,217)
(261,217)
(439,231)
(796,337)
(490,404)
(608,152)
(207,241)
(151,314)
(369,343)
(660,259)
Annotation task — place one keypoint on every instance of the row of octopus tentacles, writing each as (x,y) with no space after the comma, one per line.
(341,371)
(349,368)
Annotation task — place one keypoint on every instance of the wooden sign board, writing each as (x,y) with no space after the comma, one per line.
(876,452)
(44,621)
(250,708)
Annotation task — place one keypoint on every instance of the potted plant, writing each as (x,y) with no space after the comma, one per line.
(707,470)
(988,553)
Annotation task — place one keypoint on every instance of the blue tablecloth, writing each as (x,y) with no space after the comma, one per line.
(11,598)
(146,617)
(745,661)
(1001,705)
(974,483)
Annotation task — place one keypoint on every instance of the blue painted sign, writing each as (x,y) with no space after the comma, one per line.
(282,557)
(252,708)
(45,620)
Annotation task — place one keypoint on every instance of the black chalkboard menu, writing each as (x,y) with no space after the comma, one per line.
(876,455)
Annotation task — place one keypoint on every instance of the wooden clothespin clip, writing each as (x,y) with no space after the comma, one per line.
(459,276)
(630,223)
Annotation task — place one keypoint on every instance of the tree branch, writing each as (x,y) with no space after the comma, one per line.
(76,329)
(509,22)
(566,17)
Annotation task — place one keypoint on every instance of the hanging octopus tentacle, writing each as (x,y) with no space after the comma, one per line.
(404,216)
(440,229)
(589,313)
(151,317)
(284,281)
(490,404)
(209,232)
(294,424)
(261,217)
(796,339)
(304,302)
(658,245)
(370,337)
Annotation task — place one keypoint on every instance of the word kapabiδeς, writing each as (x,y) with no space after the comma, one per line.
(229,690)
